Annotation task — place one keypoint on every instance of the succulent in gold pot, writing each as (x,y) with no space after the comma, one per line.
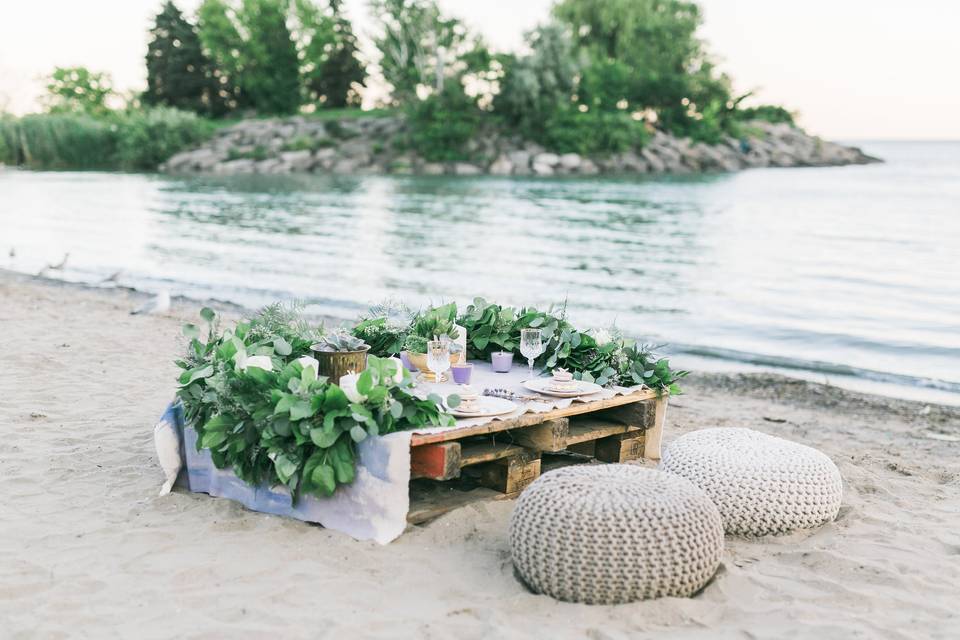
(340,353)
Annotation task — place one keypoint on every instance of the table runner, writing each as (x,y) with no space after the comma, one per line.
(375,505)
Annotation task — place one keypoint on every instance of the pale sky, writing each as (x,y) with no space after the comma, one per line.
(854,69)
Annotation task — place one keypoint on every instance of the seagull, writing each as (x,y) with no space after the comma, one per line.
(160,303)
(112,277)
(61,265)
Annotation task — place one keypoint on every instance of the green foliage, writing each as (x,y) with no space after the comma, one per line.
(253,396)
(595,355)
(78,90)
(128,140)
(179,74)
(271,68)
(258,152)
(385,329)
(766,112)
(592,132)
(331,73)
(339,341)
(223,45)
(147,138)
(442,125)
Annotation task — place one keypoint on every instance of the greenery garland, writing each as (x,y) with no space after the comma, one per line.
(254,397)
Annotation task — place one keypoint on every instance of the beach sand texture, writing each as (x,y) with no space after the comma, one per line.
(88,550)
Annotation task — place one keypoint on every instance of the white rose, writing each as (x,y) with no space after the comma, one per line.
(602,336)
(398,375)
(259,362)
(348,384)
(308,362)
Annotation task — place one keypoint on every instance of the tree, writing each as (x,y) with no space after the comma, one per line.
(650,49)
(179,74)
(222,45)
(78,89)
(419,47)
(270,75)
(330,71)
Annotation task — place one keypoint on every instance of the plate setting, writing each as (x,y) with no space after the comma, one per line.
(485,406)
(547,386)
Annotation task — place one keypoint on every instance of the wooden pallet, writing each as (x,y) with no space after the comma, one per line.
(501,458)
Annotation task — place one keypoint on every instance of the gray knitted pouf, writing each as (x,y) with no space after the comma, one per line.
(614,533)
(761,484)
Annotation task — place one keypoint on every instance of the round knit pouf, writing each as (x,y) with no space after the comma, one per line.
(614,533)
(761,484)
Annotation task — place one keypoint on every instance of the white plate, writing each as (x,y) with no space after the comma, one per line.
(487,406)
(542,385)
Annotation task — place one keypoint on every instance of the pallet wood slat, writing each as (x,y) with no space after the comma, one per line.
(511,475)
(480,452)
(550,435)
(622,447)
(528,419)
(438,461)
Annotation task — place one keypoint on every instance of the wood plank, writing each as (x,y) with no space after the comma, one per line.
(511,475)
(546,436)
(439,461)
(589,428)
(639,414)
(587,448)
(479,452)
(528,419)
(620,448)
(655,433)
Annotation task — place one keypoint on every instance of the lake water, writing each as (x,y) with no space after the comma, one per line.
(848,275)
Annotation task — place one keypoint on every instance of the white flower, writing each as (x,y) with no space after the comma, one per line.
(398,375)
(308,362)
(348,384)
(258,362)
(602,336)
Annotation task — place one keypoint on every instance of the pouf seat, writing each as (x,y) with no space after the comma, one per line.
(760,483)
(609,534)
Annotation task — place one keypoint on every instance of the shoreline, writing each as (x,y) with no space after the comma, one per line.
(87,544)
(188,308)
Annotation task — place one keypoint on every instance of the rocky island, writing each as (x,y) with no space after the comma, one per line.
(378,145)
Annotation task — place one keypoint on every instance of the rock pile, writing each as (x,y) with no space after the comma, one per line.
(377,145)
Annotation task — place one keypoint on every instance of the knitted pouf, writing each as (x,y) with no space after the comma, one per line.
(614,533)
(761,484)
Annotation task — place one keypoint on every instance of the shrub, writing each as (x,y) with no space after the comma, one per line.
(148,138)
(66,141)
(768,112)
(443,124)
(569,130)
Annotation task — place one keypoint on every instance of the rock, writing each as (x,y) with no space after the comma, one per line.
(272,165)
(432,169)
(571,161)
(546,159)
(588,167)
(298,160)
(198,160)
(653,161)
(466,169)
(235,167)
(501,166)
(520,161)
(542,168)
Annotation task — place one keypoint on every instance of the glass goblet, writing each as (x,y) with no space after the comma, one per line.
(531,345)
(438,358)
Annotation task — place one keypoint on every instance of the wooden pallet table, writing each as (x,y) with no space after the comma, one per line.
(497,460)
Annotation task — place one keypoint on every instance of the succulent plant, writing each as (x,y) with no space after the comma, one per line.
(339,341)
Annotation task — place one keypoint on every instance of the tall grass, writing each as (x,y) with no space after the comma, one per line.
(129,140)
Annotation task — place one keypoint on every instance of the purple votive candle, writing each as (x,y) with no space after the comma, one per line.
(461,372)
(405,361)
(501,361)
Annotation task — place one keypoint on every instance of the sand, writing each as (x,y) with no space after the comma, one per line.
(88,550)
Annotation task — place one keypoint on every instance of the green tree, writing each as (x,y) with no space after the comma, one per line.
(645,54)
(270,71)
(77,89)
(223,46)
(420,49)
(179,74)
(330,70)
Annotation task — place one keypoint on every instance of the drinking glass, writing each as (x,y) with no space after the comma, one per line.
(438,357)
(531,345)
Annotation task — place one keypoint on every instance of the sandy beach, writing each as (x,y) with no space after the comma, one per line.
(87,550)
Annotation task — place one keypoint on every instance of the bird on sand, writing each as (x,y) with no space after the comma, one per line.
(160,303)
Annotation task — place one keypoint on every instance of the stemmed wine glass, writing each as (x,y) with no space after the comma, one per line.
(438,357)
(531,345)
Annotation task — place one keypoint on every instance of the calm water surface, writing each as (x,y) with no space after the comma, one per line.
(846,274)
